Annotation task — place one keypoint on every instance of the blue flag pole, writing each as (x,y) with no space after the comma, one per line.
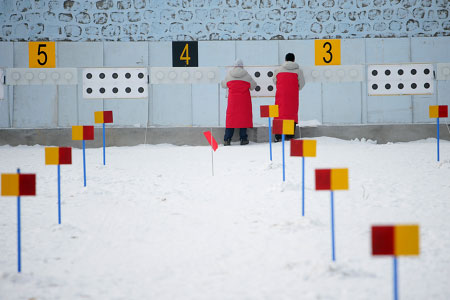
(303,186)
(437,128)
(19,248)
(59,194)
(84,161)
(332,227)
(270,139)
(284,177)
(104,144)
(395,279)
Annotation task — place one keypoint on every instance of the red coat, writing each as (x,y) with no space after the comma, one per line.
(286,96)
(239,109)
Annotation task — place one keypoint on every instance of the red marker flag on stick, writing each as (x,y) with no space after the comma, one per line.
(211,140)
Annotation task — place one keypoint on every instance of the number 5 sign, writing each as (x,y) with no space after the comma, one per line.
(41,55)
(185,54)
(327,52)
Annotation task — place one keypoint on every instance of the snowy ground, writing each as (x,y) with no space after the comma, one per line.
(154,224)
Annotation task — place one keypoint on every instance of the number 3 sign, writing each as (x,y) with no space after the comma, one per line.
(185,54)
(41,55)
(327,52)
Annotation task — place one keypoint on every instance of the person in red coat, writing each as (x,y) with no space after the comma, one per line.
(289,80)
(239,109)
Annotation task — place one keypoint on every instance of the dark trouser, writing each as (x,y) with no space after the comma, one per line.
(230,131)
(287,136)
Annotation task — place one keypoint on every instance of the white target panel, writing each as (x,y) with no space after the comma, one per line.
(342,73)
(2,87)
(443,71)
(41,76)
(403,79)
(264,81)
(116,83)
(166,75)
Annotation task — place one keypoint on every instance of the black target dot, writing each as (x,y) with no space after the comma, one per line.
(387,72)
(401,86)
(141,90)
(270,88)
(414,71)
(115,75)
(400,72)
(426,71)
(413,86)
(115,90)
(374,72)
(89,90)
(128,90)
(88,75)
(102,75)
(127,75)
(102,90)
(141,75)
(426,85)
(374,86)
(270,73)
(257,74)
(257,88)
(387,86)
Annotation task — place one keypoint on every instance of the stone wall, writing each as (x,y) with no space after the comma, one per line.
(157,20)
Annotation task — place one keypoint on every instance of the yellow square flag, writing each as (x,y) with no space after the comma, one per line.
(434,111)
(77,133)
(406,240)
(309,148)
(10,184)
(98,117)
(339,179)
(288,127)
(273,111)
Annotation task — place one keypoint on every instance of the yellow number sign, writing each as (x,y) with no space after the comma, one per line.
(185,54)
(327,52)
(41,55)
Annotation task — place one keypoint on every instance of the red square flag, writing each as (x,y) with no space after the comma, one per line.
(88,133)
(323,179)
(382,240)
(443,111)
(27,184)
(107,116)
(65,155)
(211,140)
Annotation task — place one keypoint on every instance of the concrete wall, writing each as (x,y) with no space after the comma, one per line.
(157,20)
(205,105)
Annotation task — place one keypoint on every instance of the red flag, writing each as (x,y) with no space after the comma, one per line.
(211,140)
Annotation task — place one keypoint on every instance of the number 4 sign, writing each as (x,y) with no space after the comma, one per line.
(185,54)
(327,52)
(41,55)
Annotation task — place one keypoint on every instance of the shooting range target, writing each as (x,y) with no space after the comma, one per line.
(54,76)
(166,75)
(342,73)
(264,81)
(404,79)
(443,71)
(115,83)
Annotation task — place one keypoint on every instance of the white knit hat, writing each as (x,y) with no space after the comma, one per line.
(238,63)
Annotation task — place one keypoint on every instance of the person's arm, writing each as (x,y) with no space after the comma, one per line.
(252,82)
(275,76)
(223,83)
(301,80)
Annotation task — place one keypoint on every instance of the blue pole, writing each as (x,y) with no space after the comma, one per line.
(19,248)
(395,279)
(59,194)
(303,186)
(104,144)
(284,177)
(270,139)
(84,161)
(437,126)
(332,226)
